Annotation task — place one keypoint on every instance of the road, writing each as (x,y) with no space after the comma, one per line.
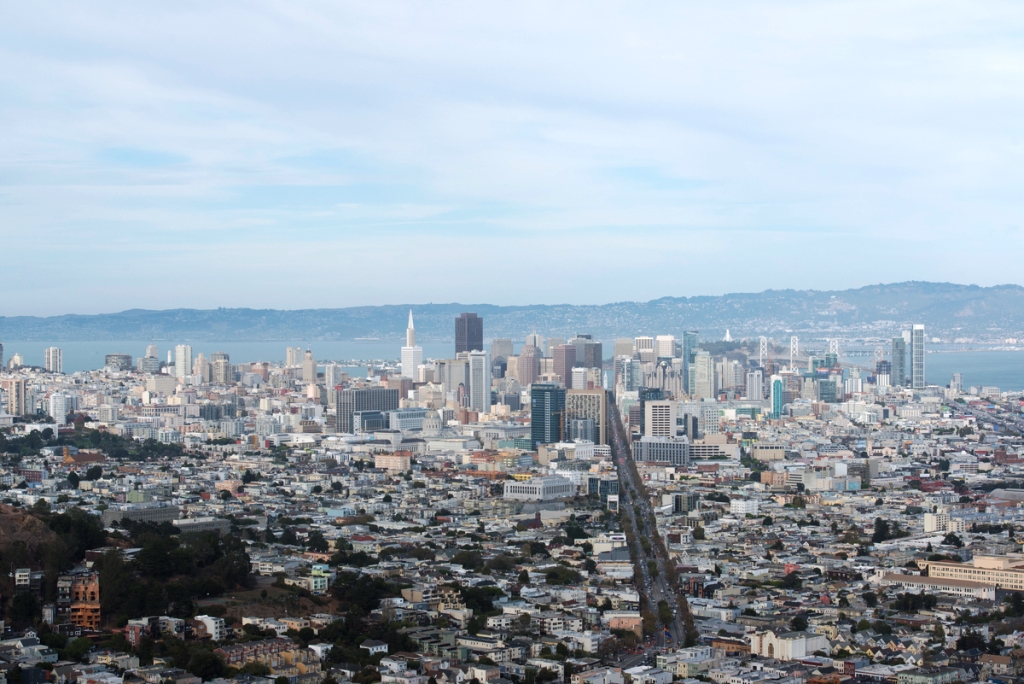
(653,589)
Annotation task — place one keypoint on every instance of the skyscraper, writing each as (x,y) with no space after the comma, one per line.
(348,401)
(1,355)
(182,360)
(591,405)
(501,349)
(17,397)
(917,356)
(644,347)
(528,365)
(899,362)
(547,413)
(412,356)
(479,381)
(308,368)
(293,357)
(778,388)
(153,351)
(755,386)
(665,346)
(623,347)
(53,360)
(469,333)
(564,358)
(689,346)
(702,372)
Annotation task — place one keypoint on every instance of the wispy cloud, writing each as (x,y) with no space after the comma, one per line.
(176,155)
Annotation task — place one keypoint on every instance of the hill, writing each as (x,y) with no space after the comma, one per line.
(945,308)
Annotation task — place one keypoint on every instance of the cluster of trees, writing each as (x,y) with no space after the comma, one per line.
(115,446)
(170,572)
(912,603)
(884,531)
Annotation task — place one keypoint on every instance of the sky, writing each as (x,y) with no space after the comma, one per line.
(295,155)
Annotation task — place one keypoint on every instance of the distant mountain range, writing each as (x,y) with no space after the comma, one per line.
(946,309)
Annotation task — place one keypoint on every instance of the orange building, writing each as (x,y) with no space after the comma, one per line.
(85,600)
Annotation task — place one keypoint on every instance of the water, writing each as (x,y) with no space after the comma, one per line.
(1002,369)
(89,355)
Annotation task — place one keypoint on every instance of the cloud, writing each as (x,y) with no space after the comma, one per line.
(382,152)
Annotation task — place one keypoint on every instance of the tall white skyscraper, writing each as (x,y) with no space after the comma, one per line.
(182,360)
(152,351)
(644,348)
(917,356)
(293,356)
(665,346)
(53,360)
(479,381)
(703,380)
(412,356)
(308,368)
(58,407)
(755,386)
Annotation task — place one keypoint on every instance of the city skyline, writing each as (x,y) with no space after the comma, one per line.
(676,133)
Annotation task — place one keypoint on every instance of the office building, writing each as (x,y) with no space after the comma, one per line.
(667,450)
(956,383)
(701,376)
(201,369)
(778,391)
(883,373)
(549,488)
(53,360)
(293,357)
(644,349)
(755,386)
(348,401)
(148,364)
(308,368)
(501,349)
(659,418)
(528,365)
(547,413)
(17,397)
(917,357)
(623,347)
(563,361)
(550,344)
(412,356)
(592,405)
(644,395)
(689,344)
(182,360)
(1002,572)
(899,362)
(222,372)
(1,355)
(58,407)
(588,352)
(469,333)
(665,346)
(479,381)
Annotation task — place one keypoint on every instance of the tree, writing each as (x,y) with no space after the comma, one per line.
(939,634)
(767,522)
(387,498)
(94,473)
(798,623)
(74,479)
(524,577)
(952,539)
(970,639)
(870,599)
(225,495)
(881,531)
(791,581)
(698,533)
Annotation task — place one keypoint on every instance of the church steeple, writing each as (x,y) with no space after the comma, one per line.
(410,333)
